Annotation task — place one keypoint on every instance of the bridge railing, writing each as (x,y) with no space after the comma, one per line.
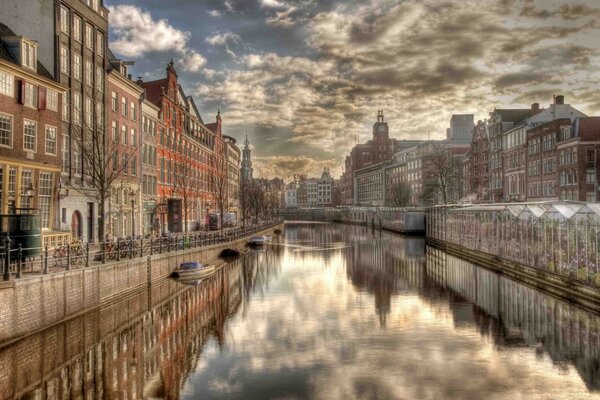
(400,219)
(561,237)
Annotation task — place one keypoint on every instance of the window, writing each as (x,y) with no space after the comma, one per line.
(123,134)
(50,140)
(115,160)
(29,135)
(77,28)
(77,165)
(87,112)
(114,102)
(77,108)
(590,197)
(100,44)
(590,155)
(133,137)
(100,117)
(52,100)
(115,131)
(7,84)
(590,176)
(133,163)
(124,164)
(65,106)
(89,73)
(65,152)
(133,111)
(124,106)
(89,38)
(6,127)
(64,60)
(64,20)
(77,66)
(26,182)
(99,79)
(45,197)
(31,95)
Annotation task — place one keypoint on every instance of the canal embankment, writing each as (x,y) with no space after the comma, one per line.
(33,303)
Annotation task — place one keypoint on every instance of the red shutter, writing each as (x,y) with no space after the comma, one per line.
(41,98)
(22,93)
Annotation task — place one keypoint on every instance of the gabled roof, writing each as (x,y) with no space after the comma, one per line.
(587,127)
(212,126)
(6,55)
(194,108)
(153,90)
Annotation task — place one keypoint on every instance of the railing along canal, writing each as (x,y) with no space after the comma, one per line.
(557,237)
(20,261)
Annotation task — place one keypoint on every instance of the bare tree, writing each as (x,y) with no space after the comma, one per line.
(219,182)
(244,200)
(441,176)
(186,186)
(399,194)
(103,162)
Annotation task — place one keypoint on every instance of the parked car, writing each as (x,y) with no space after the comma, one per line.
(213,222)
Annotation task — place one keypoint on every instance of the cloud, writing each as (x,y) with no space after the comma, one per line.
(222,38)
(214,13)
(193,61)
(287,166)
(137,33)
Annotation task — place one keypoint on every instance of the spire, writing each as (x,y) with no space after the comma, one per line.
(246,142)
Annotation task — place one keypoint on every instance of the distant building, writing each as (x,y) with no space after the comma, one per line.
(461,128)
(291,195)
(379,149)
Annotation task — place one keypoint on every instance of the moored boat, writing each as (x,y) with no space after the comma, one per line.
(258,241)
(193,269)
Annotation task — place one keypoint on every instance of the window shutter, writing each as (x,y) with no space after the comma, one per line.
(41,98)
(22,92)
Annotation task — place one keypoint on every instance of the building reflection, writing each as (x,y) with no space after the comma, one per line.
(142,346)
(513,314)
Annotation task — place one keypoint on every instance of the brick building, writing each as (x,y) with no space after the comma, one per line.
(542,159)
(477,170)
(123,146)
(151,127)
(30,130)
(578,156)
(188,153)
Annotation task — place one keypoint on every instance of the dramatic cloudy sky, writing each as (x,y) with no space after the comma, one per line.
(305,78)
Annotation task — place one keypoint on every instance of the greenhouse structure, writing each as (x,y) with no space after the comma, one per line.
(557,237)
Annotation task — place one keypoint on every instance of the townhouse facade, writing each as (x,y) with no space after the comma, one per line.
(30,130)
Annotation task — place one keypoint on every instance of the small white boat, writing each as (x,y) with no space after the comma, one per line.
(258,241)
(192,269)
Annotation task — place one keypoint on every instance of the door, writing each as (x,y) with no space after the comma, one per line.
(76,225)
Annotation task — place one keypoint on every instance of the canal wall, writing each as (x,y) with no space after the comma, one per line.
(33,303)
(394,219)
(582,294)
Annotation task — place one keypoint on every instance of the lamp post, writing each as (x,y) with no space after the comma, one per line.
(132,214)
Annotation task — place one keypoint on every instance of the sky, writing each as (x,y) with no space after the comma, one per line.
(304,78)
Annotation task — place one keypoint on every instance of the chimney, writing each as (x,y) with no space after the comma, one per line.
(560,99)
(129,76)
(535,107)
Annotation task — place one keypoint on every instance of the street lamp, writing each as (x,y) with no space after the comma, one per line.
(132,214)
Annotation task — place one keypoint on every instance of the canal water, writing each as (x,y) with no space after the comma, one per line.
(323,312)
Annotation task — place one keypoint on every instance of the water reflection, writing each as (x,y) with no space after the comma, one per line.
(326,312)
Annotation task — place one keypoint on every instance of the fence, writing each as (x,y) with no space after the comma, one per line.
(16,262)
(556,237)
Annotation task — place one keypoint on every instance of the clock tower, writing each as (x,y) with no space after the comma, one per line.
(381,140)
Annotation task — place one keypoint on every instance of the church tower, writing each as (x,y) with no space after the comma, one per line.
(246,162)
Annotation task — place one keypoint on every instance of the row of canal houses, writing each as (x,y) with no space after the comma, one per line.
(533,154)
(61,89)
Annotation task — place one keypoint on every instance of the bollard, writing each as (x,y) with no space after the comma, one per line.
(160,241)
(45,260)
(87,254)
(118,249)
(151,246)
(20,261)
(131,245)
(141,247)
(6,275)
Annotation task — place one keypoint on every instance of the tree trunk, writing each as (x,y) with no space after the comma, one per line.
(102,222)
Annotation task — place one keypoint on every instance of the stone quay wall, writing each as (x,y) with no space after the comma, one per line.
(30,304)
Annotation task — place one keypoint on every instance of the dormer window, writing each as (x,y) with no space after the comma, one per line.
(29,54)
